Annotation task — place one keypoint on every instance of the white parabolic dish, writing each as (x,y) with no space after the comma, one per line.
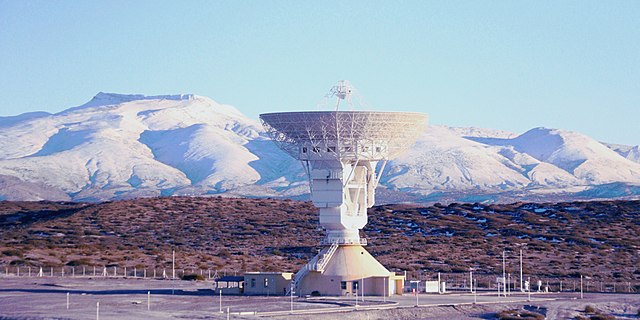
(344,135)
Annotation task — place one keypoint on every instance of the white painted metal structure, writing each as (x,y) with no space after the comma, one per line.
(340,151)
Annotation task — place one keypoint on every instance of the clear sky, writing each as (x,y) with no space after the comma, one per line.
(509,65)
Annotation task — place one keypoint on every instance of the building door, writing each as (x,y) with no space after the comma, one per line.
(392,286)
(343,288)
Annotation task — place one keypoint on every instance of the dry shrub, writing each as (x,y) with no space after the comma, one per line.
(79,262)
(192,277)
(516,314)
(589,309)
(602,317)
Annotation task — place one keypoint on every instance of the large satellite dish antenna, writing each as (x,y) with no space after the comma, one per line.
(340,151)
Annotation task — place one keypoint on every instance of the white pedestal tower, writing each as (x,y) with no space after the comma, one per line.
(340,151)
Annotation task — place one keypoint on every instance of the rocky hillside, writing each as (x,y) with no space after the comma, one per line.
(598,239)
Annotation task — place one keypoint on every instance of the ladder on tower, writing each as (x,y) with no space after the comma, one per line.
(323,260)
(318,264)
(297,278)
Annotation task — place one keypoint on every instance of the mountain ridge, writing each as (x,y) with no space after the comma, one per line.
(120,146)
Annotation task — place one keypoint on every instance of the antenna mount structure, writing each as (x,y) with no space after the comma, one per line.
(341,152)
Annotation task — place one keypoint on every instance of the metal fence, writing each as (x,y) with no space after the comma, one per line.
(111,272)
(491,282)
(454,281)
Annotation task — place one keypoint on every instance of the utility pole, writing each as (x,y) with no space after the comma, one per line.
(504,274)
(521,287)
(384,299)
(173,263)
(529,291)
(475,292)
(362,288)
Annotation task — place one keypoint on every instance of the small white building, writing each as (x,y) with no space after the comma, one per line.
(267,283)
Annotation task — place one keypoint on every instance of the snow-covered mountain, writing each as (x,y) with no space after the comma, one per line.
(123,146)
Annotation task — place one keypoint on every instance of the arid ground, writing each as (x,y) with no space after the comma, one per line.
(600,240)
(23,298)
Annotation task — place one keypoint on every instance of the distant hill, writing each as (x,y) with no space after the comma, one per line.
(597,239)
(128,146)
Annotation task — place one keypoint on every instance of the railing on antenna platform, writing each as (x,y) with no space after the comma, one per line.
(360,241)
(325,257)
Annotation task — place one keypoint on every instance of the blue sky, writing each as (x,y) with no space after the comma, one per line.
(509,65)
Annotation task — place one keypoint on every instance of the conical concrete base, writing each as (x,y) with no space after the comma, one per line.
(350,269)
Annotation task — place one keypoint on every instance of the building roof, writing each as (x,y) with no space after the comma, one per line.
(268,273)
(230,279)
